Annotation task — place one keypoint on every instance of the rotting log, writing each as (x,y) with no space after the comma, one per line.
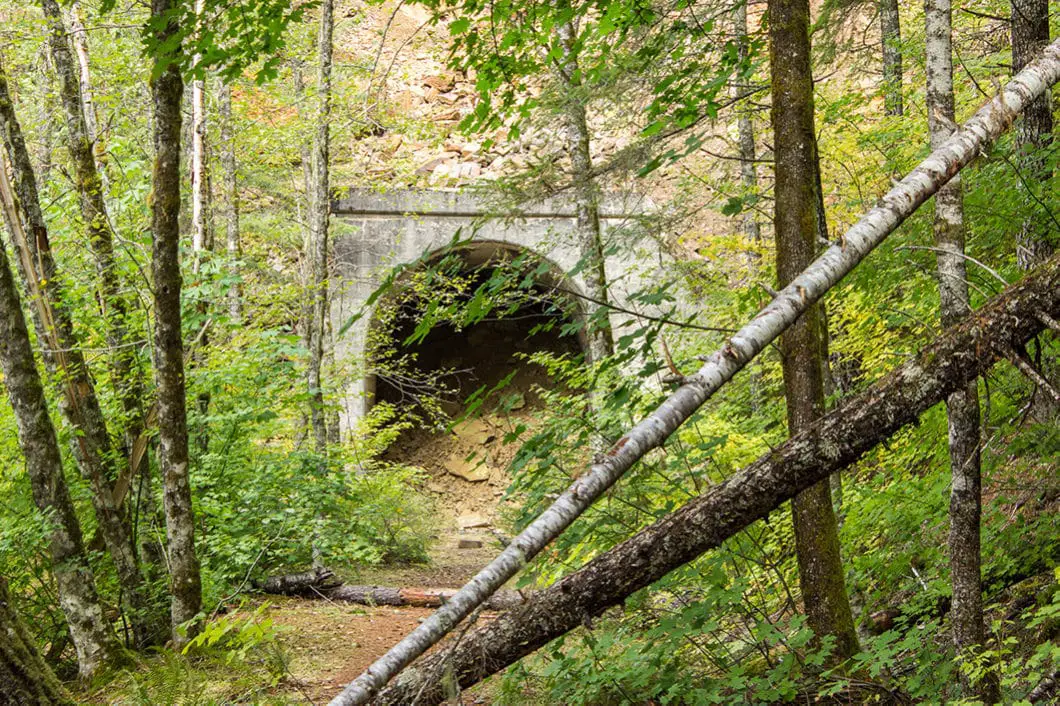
(836,262)
(321,583)
(958,356)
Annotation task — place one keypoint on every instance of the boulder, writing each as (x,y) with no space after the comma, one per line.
(472,521)
(473,471)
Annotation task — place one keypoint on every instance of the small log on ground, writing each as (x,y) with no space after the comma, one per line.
(307,583)
(321,583)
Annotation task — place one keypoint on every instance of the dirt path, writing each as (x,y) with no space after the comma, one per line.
(331,643)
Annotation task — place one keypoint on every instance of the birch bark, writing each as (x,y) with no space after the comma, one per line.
(805,290)
(962,406)
(230,190)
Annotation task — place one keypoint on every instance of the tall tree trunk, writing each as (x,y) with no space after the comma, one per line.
(79,37)
(796,227)
(587,229)
(166,92)
(745,127)
(319,211)
(45,117)
(201,226)
(230,189)
(834,442)
(25,678)
(78,402)
(962,406)
(126,375)
(891,40)
(91,634)
(1030,35)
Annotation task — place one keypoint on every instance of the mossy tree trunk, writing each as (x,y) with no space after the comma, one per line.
(185,585)
(25,678)
(891,40)
(1030,35)
(78,402)
(91,634)
(796,226)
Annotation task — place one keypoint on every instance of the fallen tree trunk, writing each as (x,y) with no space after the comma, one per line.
(321,583)
(839,439)
(801,293)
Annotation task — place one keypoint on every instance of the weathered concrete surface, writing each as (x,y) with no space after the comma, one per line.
(374,233)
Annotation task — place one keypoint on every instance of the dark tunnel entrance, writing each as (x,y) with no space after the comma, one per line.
(453,361)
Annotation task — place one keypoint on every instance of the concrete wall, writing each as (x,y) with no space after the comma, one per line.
(373,233)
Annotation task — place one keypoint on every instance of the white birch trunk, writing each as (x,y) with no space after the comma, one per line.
(838,260)
(199,197)
(962,406)
(88,105)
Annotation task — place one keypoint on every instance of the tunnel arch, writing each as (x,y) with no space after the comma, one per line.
(477,258)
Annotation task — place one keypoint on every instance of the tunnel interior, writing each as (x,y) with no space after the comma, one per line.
(454,360)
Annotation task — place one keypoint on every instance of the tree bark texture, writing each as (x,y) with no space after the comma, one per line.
(805,290)
(230,190)
(79,37)
(1030,34)
(834,442)
(319,210)
(25,678)
(89,438)
(587,230)
(891,40)
(321,583)
(796,226)
(92,636)
(200,196)
(745,127)
(79,114)
(962,406)
(185,582)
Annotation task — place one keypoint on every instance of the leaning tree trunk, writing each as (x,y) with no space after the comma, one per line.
(185,582)
(25,678)
(230,190)
(587,230)
(834,442)
(91,634)
(962,407)
(796,226)
(891,41)
(1030,34)
(835,263)
(78,402)
(319,209)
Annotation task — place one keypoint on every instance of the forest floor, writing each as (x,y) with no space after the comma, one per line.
(330,644)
